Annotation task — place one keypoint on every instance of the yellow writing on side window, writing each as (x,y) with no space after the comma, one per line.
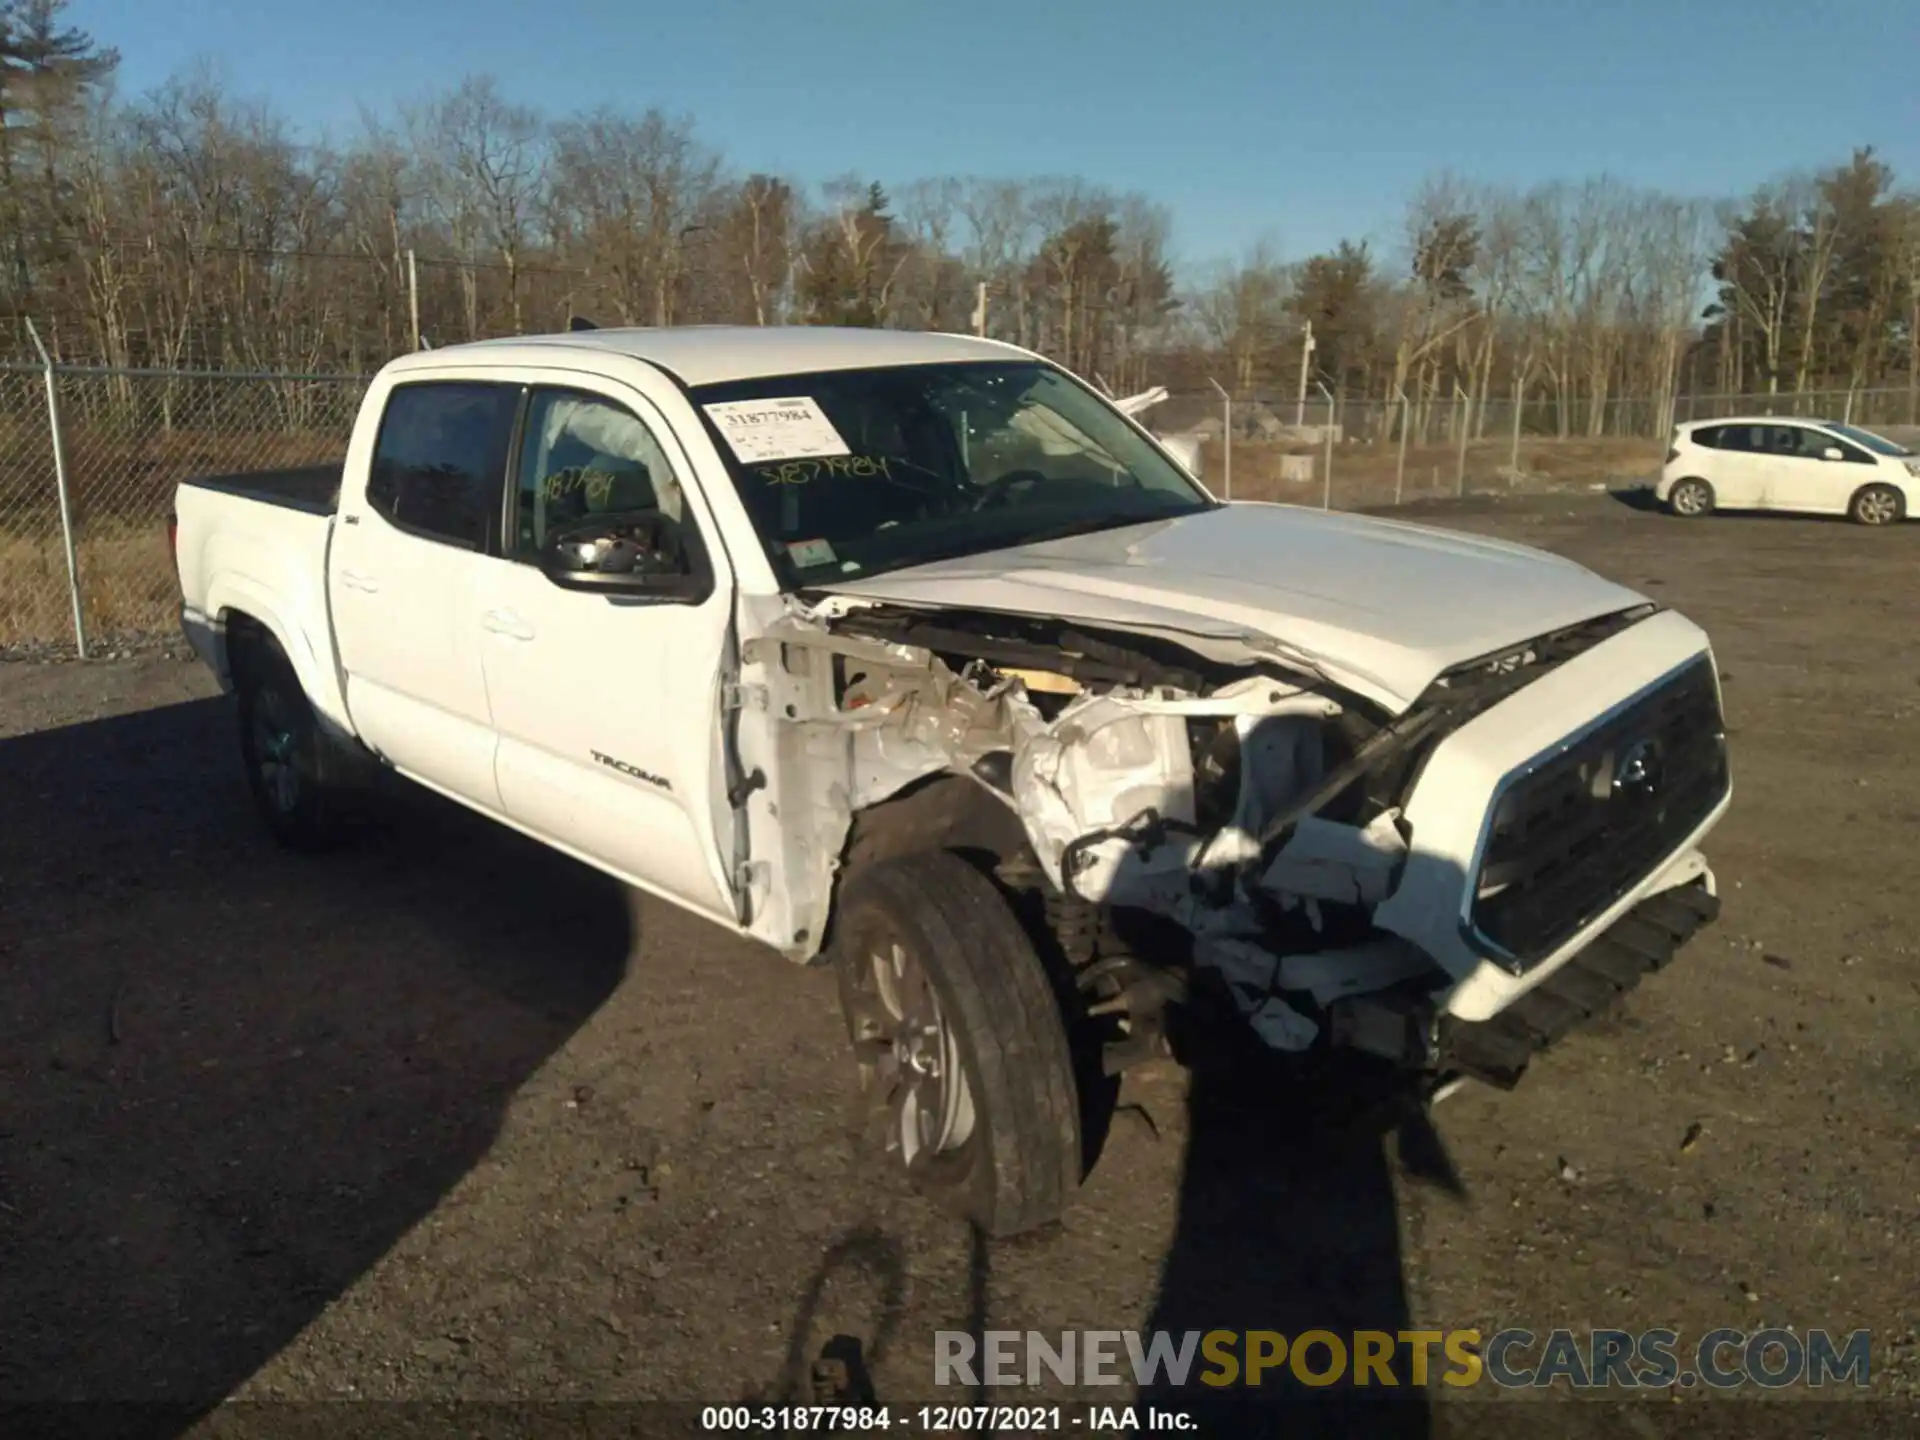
(596,483)
(799,472)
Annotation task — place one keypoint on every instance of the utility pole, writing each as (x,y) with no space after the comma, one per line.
(980,309)
(1306,369)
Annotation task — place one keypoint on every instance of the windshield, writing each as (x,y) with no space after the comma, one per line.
(1879,444)
(849,473)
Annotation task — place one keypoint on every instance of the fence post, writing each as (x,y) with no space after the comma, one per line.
(413,297)
(1460,470)
(60,486)
(1326,480)
(1400,467)
(1513,451)
(1226,436)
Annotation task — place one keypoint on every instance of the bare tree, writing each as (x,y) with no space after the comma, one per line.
(1443,242)
(627,194)
(759,222)
(1758,269)
(186,228)
(1243,310)
(484,161)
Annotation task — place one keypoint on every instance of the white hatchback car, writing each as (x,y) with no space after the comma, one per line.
(1768,462)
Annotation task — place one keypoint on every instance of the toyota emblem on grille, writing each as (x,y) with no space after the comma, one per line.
(1636,775)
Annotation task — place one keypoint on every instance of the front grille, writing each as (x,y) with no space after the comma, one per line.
(1574,833)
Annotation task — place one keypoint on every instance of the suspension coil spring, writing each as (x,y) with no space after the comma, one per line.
(1075,924)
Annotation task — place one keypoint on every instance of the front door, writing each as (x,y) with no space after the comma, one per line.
(1806,479)
(608,707)
(403,571)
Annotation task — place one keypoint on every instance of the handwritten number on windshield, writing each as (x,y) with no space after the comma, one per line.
(799,472)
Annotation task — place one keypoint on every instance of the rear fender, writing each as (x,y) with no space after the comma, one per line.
(236,600)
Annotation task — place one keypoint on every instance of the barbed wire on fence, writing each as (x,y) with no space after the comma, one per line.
(127,437)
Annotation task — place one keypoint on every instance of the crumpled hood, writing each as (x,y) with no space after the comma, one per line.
(1381,606)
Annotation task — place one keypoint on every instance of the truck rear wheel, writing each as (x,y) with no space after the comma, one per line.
(960,1039)
(289,759)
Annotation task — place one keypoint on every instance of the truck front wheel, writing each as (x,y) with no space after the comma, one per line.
(960,1040)
(290,762)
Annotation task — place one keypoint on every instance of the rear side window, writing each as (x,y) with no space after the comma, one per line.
(440,461)
(1749,438)
(1709,436)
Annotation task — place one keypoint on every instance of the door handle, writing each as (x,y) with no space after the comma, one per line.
(506,622)
(354,580)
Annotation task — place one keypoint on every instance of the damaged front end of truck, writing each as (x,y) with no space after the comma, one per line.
(1440,886)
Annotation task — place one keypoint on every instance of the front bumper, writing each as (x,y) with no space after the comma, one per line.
(1411,1031)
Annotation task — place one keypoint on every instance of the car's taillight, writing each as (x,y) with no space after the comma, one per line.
(1673,454)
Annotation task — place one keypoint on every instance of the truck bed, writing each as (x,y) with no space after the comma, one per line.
(313,488)
(257,542)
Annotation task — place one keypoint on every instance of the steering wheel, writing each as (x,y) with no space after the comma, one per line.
(1000,492)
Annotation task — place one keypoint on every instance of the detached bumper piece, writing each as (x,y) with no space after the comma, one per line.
(1642,941)
(1405,1030)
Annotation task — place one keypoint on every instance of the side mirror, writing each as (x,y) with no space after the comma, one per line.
(1833,452)
(639,556)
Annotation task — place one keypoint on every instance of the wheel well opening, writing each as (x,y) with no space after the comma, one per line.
(246,640)
(941,812)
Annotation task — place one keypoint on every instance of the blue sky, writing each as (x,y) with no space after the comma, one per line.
(1294,122)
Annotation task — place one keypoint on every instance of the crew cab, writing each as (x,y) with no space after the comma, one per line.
(914,655)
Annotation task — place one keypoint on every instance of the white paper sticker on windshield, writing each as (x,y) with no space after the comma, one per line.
(808,553)
(791,429)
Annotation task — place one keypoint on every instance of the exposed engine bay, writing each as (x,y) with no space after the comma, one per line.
(1249,804)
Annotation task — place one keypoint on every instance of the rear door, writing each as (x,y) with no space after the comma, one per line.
(1741,467)
(608,707)
(404,573)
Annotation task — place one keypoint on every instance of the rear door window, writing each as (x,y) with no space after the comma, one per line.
(440,461)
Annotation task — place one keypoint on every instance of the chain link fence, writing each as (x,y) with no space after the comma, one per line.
(118,442)
(1350,454)
(1268,415)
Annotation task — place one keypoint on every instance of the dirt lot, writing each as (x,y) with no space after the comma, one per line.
(449,1117)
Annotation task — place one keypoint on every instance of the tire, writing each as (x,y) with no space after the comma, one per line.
(292,766)
(1691,499)
(1004,1153)
(1877,505)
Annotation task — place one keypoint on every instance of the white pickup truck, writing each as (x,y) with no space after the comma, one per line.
(915,655)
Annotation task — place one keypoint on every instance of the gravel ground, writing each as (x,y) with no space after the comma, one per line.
(448,1117)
